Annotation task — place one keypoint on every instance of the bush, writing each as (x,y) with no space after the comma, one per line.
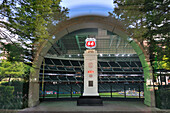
(18,87)
(4,83)
(6,97)
(163,98)
(19,98)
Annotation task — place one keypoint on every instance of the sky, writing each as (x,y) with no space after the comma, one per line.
(88,7)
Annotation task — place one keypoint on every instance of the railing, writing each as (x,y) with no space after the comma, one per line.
(109,90)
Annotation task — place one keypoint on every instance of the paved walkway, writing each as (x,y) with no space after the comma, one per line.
(108,107)
(71,107)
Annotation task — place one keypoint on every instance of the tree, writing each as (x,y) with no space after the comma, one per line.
(129,12)
(147,20)
(29,19)
(163,64)
(12,69)
(12,52)
(157,20)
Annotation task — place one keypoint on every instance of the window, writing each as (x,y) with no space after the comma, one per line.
(90,83)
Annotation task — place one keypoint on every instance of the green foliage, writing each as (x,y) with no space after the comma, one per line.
(15,99)
(129,12)
(13,69)
(163,98)
(30,20)
(6,97)
(164,64)
(147,20)
(157,20)
(12,52)
(157,15)
(27,72)
(18,86)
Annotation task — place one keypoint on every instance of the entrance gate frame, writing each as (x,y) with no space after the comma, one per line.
(82,22)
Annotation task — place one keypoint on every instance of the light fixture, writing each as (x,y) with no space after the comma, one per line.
(69,55)
(78,55)
(109,55)
(117,55)
(53,37)
(129,39)
(123,55)
(128,54)
(101,55)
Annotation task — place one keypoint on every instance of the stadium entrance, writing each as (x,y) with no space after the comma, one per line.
(123,68)
(119,69)
(115,80)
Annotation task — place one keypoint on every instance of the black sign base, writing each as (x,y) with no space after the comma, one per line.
(89,101)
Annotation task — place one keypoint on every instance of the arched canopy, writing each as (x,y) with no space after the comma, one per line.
(83,22)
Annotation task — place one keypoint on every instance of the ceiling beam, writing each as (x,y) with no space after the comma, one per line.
(55,50)
(63,49)
(78,43)
(60,47)
(118,41)
(111,40)
(126,43)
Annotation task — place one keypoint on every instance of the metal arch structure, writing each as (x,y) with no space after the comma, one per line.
(83,22)
(74,44)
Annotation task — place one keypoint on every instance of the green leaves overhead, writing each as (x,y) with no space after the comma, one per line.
(29,19)
(147,20)
(163,64)
(12,52)
(157,20)
(129,12)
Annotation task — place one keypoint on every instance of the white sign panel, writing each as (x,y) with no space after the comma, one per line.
(90,43)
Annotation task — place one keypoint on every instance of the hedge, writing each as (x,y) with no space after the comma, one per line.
(6,96)
(163,98)
(15,98)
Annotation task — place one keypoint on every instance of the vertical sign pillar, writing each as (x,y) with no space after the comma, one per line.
(90,95)
(90,73)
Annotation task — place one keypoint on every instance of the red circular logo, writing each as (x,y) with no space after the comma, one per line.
(90,64)
(90,76)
